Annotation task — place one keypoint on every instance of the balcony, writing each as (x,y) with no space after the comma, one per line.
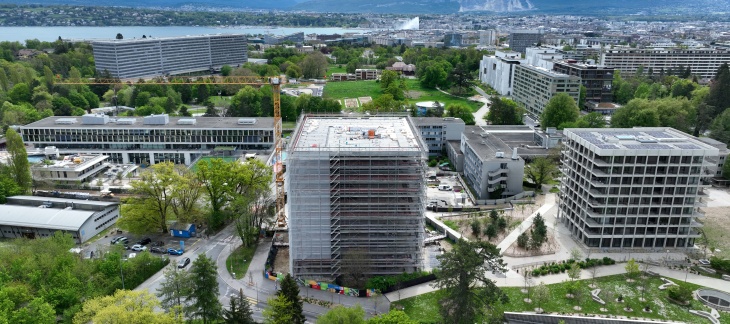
(600,162)
(496,180)
(599,182)
(596,193)
(498,172)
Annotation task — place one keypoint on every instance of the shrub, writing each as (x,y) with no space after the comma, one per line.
(608,261)
(680,294)
(536,272)
(720,264)
(544,272)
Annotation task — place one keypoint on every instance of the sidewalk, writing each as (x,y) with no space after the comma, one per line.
(482,112)
(255,286)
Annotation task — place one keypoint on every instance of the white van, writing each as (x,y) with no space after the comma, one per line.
(444,187)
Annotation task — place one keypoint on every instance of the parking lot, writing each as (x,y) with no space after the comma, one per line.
(160,241)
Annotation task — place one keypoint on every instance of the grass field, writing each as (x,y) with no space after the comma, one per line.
(237,263)
(354,89)
(335,68)
(424,308)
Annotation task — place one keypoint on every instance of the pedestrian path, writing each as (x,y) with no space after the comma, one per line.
(512,236)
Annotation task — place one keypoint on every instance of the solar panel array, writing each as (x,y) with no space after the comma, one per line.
(660,134)
(607,146)
(688,146)
(648,146)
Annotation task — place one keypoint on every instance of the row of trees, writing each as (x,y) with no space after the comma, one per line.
(15,178)
(41,279)
(234,192)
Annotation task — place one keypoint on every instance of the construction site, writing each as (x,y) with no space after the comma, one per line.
(356,197)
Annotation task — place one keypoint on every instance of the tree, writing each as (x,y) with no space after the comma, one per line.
(125,306)
(560,109)
(504,112)
(719,95)
(151,206)
(343,315)
(468,292)
(226,70)
(246,103)
(184,111)
(394,316)
(490,231)
(576,254)
(293,71)
(20,93)
(432,74)
(574,271)
(279,310)
(119,36)
(523,241)
(18,165)
(681,294)
(387,78)
(591,120)
(476,227)
(203,300)
(582,97)
(175,289)
(725,168)
(720,128)
(461,79)
(462,112)
(290,291)
(638,112)
(314,66)
(540,294)
(632,269)
(239,311)
(540,170)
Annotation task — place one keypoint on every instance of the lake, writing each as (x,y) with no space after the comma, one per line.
(49,34)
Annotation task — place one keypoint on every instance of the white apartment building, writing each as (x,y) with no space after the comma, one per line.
(152,139)
(702,62)
(437,131)
(148,57)
(498,70)
(633,187)
(73,169)
(535,86)
(543,57)
(491,168)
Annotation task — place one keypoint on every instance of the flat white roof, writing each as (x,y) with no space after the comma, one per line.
(358,134)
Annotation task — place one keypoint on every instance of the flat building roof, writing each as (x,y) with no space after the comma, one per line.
(639,138)
(357,134)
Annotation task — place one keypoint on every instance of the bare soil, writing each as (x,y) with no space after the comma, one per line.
(281,263)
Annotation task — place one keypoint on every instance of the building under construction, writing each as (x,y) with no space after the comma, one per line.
(356,197)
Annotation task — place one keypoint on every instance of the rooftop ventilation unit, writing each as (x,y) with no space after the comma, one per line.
(500,155)
(65,121)
(156,120)
(646,140)
(94,119)
(246,121)
(187,121)
(126,121)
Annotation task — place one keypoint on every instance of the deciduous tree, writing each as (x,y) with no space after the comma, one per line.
(18,165)
(468,292)
(560,109)
(151,206)
(504,112)
(343,315)
(461,111)
(394,316)
(540,295)
(125,306)
(174,290)
(540,170)
(632,269)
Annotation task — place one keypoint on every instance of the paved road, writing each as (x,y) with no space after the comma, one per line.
(482,112)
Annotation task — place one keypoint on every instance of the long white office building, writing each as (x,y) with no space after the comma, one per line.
(634,187)
(148,57)
(498,70)
(702,62)
(151,139)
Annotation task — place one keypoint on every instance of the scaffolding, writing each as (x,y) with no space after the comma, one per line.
(356,197)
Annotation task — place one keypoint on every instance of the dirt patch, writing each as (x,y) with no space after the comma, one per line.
(414,94)
(716,224)
(281,263)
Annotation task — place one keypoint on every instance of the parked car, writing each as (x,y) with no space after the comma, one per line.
(158,243)
(139,247)
(145,241)
(183,263)
(116,239)
(131,255)
(444,187)
(158,250)
(120,240)
(172,251)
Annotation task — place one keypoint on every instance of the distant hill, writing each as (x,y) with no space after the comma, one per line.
(586,7)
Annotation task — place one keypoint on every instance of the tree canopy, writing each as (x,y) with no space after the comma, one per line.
(18,165)
(560,110)
(125,306)
(461,111)
(468,293)
(504,112)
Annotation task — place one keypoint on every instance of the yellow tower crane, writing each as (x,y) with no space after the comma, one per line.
(275,83)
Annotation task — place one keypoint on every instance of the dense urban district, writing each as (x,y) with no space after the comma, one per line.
(438,169)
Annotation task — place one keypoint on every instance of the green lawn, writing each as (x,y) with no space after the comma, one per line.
(424,308)
(335,68)
(353,89)
(237,263)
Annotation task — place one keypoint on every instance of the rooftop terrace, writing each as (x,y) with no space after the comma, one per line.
(357,134)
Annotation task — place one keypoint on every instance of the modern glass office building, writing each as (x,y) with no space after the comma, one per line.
(151,139)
